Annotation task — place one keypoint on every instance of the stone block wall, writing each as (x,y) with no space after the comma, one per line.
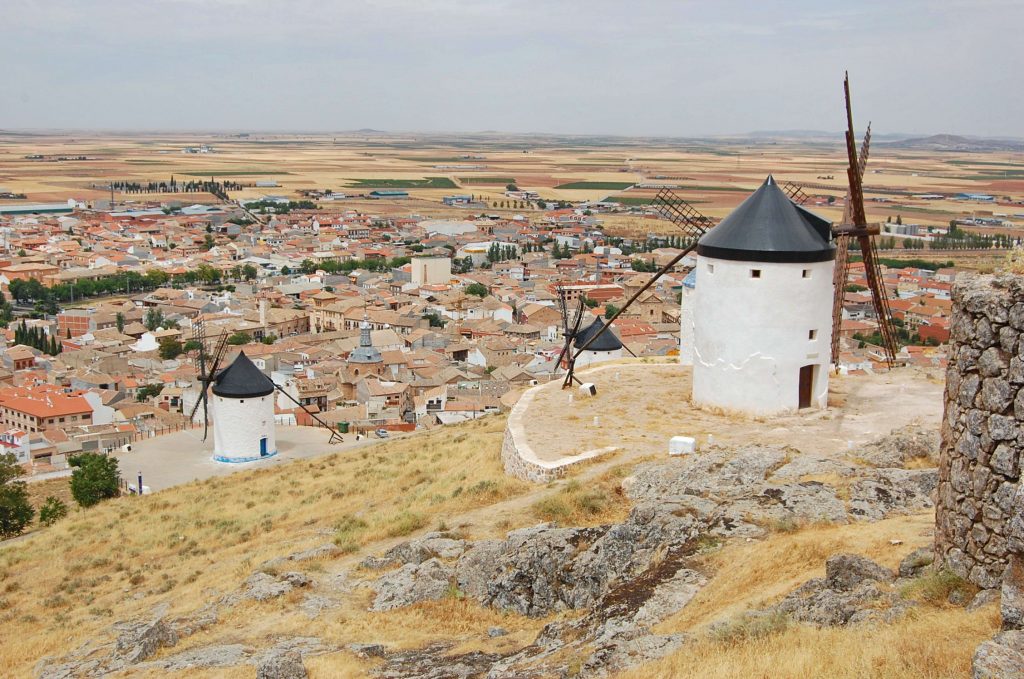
(982,437)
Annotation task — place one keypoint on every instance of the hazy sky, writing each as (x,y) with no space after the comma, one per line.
(636,67)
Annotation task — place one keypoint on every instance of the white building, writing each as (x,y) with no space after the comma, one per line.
(762,308)
(431,270)
(243,413)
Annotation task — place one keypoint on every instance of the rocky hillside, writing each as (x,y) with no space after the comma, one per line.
(419,559)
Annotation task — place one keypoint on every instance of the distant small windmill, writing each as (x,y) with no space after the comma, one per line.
(693,225)
(854,224)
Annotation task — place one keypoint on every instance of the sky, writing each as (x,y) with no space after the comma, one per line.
(635,68)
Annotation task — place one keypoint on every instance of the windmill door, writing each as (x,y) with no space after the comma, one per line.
(263,447)
(806,385)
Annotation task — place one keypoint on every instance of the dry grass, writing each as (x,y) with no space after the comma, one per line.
(117,560)
(930,644)
(934,641)
(599,501)
(756,574)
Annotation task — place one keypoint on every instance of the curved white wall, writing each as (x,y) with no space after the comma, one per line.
(751,335)
(238,426)
(687,302)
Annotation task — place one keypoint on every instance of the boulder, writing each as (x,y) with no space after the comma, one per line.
(1001,657)
(844,572)
(281,665)
(412,583)
(913,564)
(139,641)
(899,447)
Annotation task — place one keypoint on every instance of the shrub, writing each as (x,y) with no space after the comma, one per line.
(937,586)
(405,523)
(16,511)
(52,511)
(347,532)
(750,625)
(94,479)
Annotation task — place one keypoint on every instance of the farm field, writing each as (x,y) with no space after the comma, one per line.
(714,175)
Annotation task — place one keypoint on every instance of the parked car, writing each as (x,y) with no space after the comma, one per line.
(381,433)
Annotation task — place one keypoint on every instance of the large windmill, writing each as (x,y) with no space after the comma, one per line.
(854,225)
(693,225)
(208,370)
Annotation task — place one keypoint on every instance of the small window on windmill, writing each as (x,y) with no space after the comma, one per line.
(812,334)
(711,268)
(755,273)
(807,273)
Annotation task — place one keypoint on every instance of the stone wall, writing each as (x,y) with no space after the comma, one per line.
(518,456)
(979,463)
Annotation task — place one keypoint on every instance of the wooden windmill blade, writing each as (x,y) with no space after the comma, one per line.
(795,192)
(858,227)
(693,225)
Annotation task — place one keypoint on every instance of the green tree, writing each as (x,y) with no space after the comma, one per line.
(269,339)
(511,187)
(239,338)
(16,511)
(95,478)
(610,310)
(149,391)
(154,319)
(52,511)
(591,303)
(192,345)
(170,348)
(249,272)
(478,289)
(285,270)
(208,242)
(119,320)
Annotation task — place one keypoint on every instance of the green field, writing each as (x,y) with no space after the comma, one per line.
(427,183)
(230,173)
(640,200)
(606,186)
(487,180)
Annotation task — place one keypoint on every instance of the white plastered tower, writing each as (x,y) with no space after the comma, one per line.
(762,308)
(242,403)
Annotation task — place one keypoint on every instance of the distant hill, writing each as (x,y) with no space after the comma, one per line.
(952,142)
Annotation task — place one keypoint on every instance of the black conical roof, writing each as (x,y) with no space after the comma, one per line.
(606,342)
(769,227)
(242,379)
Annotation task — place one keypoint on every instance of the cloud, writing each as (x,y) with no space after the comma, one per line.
(594,66)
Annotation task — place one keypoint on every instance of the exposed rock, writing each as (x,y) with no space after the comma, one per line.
(294,578)
(367,650)
(913,564)
(983,598)
(496,632)
(1002,657)
(313,604)
(219,655)
(262,586)
(899,447)
(412,583)
(324,551)
(1012,601)
(139,641)
(433,662)
(430,546)
(281,665)
(846,571)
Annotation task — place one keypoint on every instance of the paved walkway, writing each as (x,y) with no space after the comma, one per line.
(174,459)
